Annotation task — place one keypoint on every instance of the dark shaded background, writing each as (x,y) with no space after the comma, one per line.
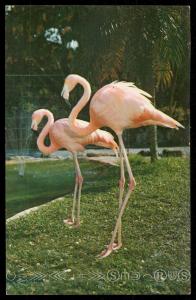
(148,45)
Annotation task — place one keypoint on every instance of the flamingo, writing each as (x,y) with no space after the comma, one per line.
(62,136)
(118,105)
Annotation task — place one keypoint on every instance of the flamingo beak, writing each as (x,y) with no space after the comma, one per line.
(34,125)
(65,92)
(67,102)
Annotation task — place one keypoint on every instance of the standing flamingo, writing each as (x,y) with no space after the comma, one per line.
(117,105)
(62,136)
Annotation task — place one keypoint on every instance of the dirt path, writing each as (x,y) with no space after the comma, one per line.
(102,155)
(111,160)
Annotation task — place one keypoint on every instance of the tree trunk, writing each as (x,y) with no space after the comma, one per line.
(153,137)
(153,143)
(149,84)
(173,89)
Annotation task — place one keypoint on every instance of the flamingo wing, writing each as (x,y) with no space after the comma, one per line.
(130,87)
(153,116)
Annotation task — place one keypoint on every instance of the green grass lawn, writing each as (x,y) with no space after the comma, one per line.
(44,256)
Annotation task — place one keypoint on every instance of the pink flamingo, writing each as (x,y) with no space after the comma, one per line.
(117,105)
(62,136)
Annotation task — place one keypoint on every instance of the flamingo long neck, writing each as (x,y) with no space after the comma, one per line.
(40,141)
(78,107)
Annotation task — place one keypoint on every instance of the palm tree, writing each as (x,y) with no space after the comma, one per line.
(145,43)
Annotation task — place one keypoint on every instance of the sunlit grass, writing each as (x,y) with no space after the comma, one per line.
(156,235)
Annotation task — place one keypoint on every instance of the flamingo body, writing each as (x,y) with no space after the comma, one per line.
(122,105)
(118,105)
(62,136)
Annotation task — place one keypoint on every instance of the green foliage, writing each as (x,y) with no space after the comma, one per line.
(149,45)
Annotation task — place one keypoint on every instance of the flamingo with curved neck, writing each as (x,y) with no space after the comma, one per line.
(62,136)
(118,105)
(70,83)
(40,141)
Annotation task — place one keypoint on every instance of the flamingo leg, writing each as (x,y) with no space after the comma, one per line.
(78,187)
(121,191)
(118,244)
(80,181)
(123,204)
(74,200)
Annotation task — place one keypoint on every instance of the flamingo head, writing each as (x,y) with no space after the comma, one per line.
(36,118)
(69,84)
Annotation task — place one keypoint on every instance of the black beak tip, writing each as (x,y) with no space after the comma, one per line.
(67,102)
(34,130)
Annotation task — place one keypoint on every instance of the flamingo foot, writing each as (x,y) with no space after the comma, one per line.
(105,253)
(69,221)
(76,224)
(116,246)
(72,223)
(109,249)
